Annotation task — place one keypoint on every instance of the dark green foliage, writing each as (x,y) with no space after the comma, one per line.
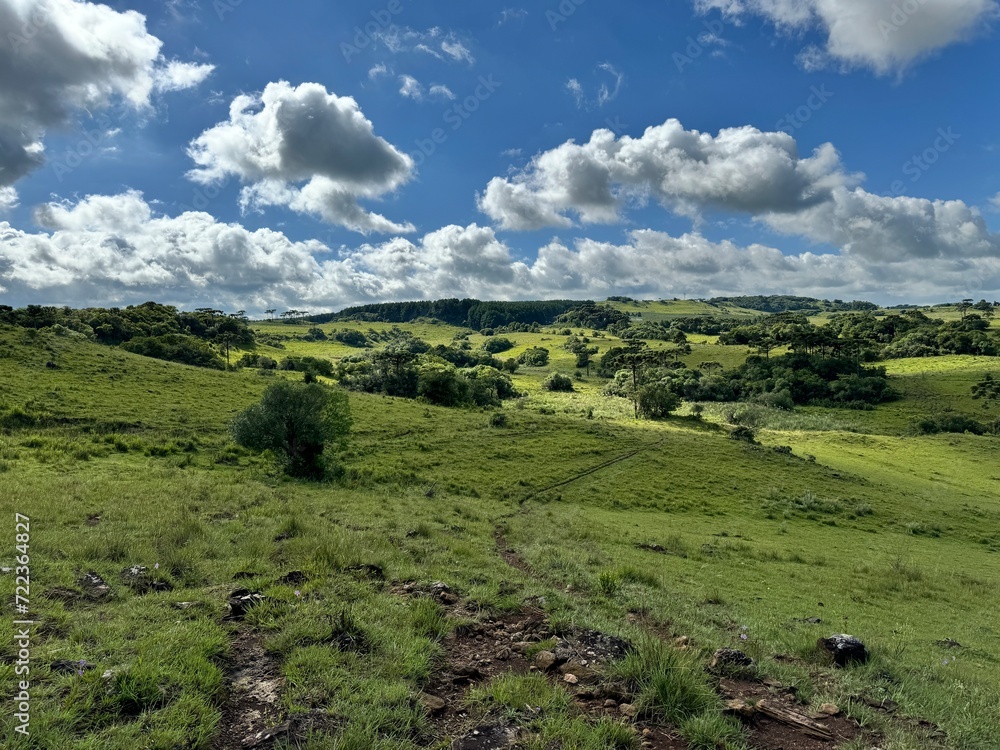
(595,317)
(536,356)
(442,384)
(176,347)
(296,421)
(656,400)
(153,330)
(785,303)
(257,360)
(498,344)
(315,365)
(809,379)
(558,382)
(468,313)
(956,423)
(315,334)
(988,388)
(351,338)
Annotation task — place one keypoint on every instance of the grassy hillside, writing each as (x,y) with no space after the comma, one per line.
(573,514)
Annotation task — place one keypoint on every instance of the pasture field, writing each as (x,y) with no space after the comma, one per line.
(656,532)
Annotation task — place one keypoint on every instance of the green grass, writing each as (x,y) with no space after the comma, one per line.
(121,460)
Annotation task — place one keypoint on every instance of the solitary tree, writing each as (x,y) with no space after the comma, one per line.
(296,421)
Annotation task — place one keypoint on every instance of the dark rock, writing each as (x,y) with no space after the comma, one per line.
(545,660)
(295,578)
(244,575)
(845,650)
(493,737)
(727,660)
(60,594)
(95,587)
(432,703)
(241,601)
(138,579)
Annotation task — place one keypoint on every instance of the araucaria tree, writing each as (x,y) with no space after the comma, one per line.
(296,421)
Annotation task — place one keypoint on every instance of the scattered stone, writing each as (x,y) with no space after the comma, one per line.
(493,737)
(572,679)
(629,710)
(138,579)
(579,670)
(432,703)
(522,647)
(241,601)
(545,660)
(185,605)
(610,703)
(94,587)
(740,707)
(829,709)
(727,660)
(845,650)
(244,575)
(93,519)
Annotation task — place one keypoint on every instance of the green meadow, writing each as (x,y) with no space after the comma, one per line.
(666,533)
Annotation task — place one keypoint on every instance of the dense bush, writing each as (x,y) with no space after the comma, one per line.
(956,423)
(296,421)
(175,347)
(498,344)
(558,382)
(656,400)
(315,365)
(355,339)
(534,357)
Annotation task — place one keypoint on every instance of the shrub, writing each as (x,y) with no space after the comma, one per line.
(355,339)
(295,421)
(534,357)
(558,382)
(656,400)
(498,344)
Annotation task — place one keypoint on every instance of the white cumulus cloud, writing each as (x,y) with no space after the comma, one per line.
(885,35)
(59,57)
(740,169)
(306,149)
(119,250)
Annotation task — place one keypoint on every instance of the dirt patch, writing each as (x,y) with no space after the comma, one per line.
(510,556)
(520,643)
(253,700)
(768,733)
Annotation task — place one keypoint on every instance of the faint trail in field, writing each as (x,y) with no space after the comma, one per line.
(594,469)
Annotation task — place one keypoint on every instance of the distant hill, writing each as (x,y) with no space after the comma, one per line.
(470,313)
(785,303)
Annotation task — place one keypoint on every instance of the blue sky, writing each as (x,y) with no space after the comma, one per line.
(420,148)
